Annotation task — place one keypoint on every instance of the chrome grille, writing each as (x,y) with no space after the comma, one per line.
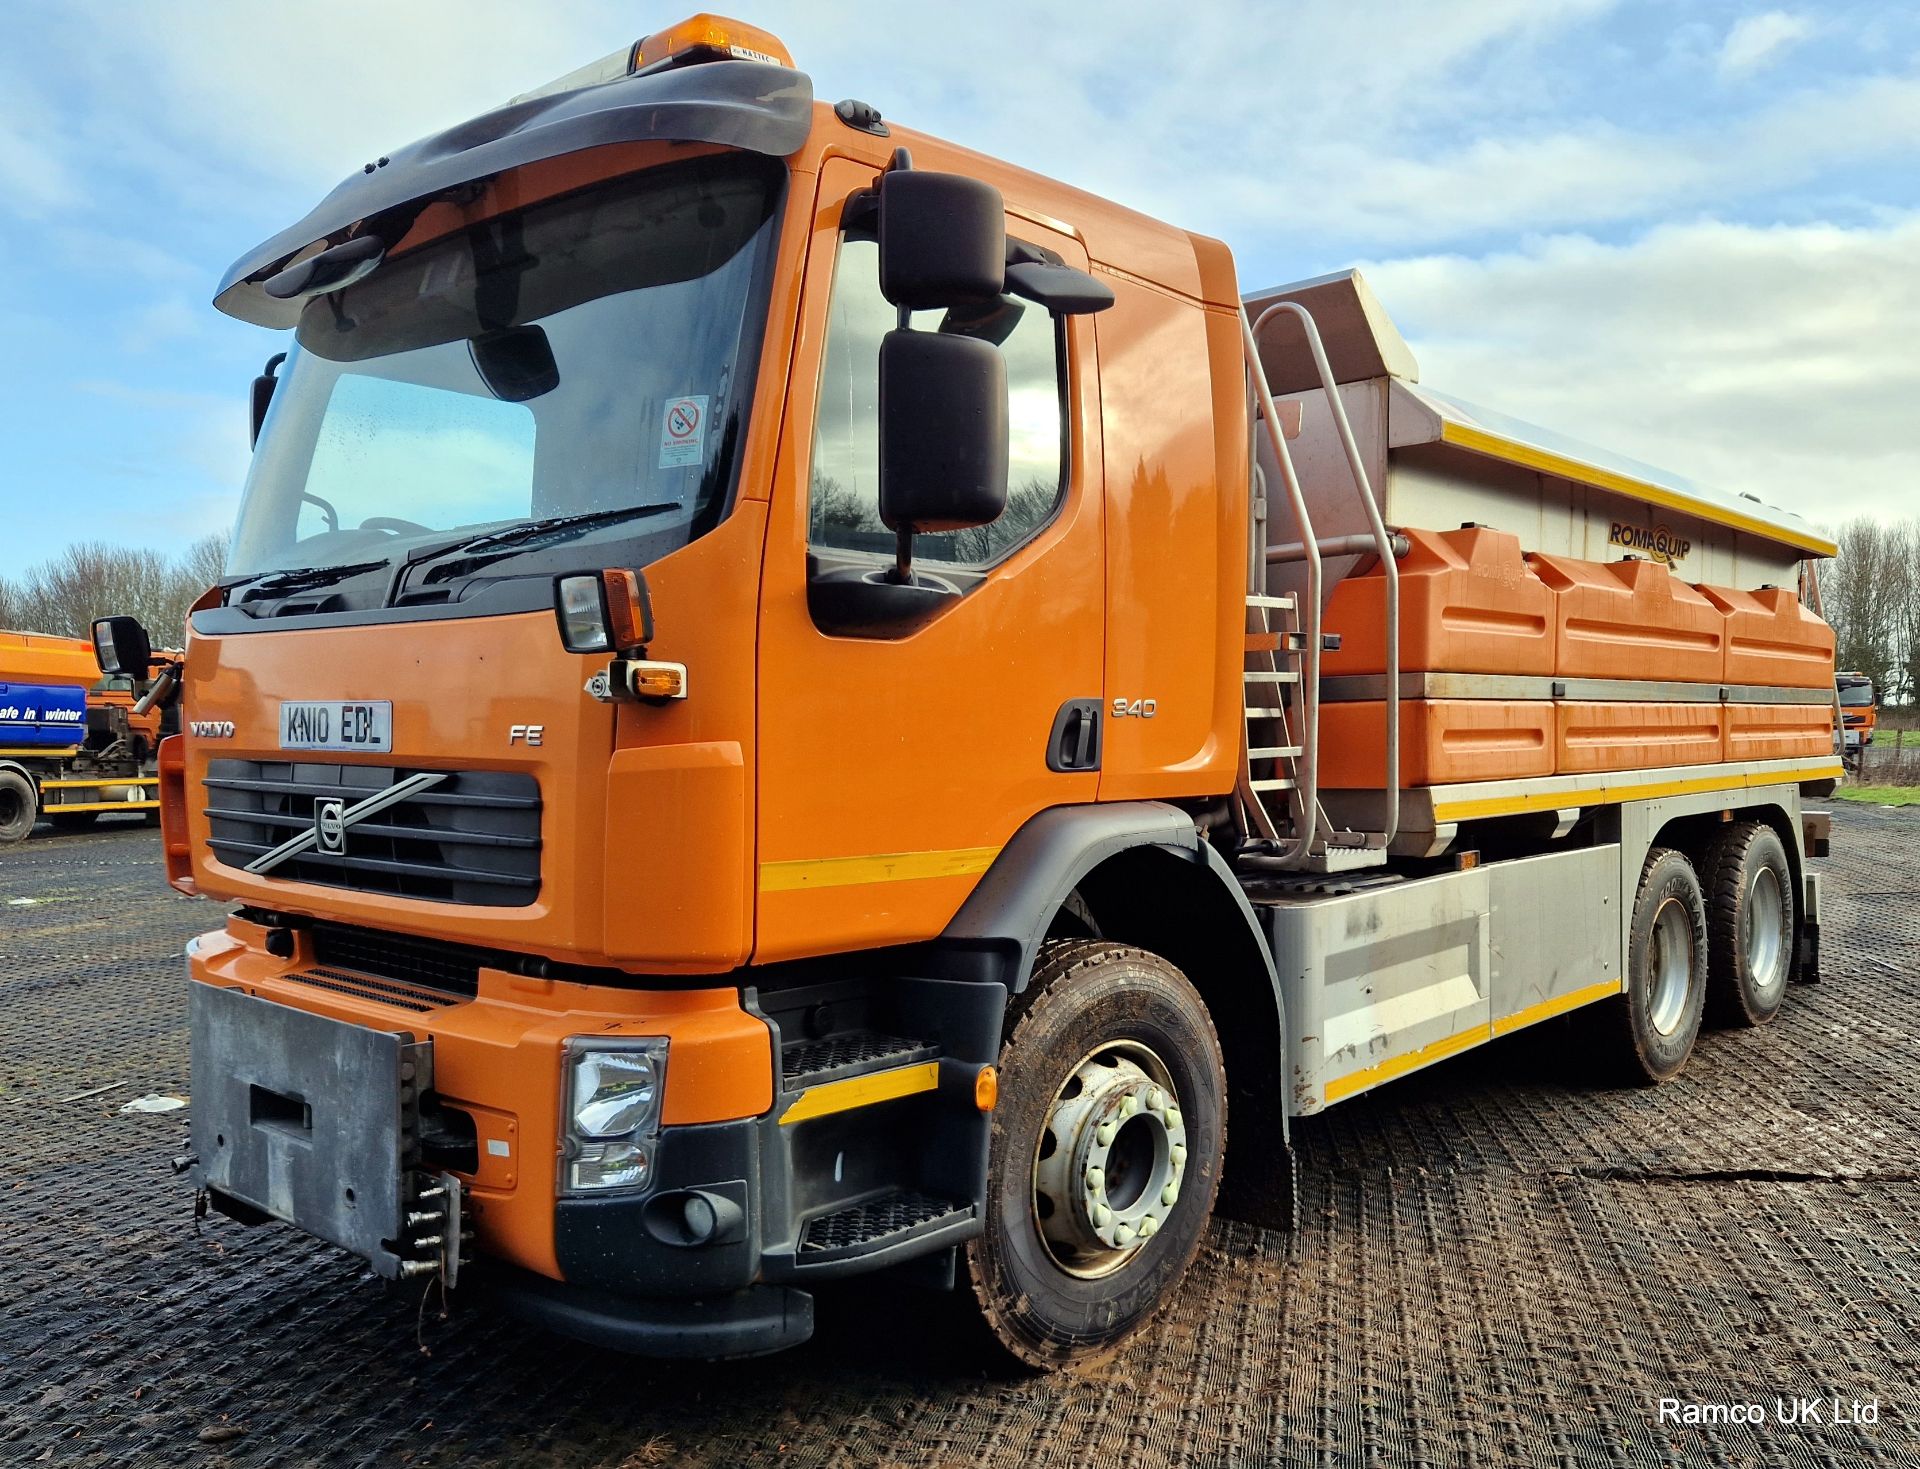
(472,838)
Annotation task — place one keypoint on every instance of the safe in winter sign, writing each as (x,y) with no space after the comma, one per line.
(683,432)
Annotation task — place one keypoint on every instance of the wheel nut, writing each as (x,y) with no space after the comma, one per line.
(1156,1100)
(1173,1117)
(1103,1134)
(1179,1155)
(1102,1215)
(1123,1234)
(1096,1179)
(1129,1104)
(1170,1194)
(1148,1226)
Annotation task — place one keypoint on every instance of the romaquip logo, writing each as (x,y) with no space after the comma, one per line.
(1658,542)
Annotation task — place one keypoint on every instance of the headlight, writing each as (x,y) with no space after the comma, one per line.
(613,1112)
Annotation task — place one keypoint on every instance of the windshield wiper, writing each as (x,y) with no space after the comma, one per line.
(533,535)
(300,578)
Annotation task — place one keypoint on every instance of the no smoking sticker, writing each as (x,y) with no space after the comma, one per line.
(683,432)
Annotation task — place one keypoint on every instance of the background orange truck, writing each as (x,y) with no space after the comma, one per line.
(74,743)
(793,700)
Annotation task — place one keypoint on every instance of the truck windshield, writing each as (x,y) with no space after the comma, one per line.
(1856,693)
(579,356)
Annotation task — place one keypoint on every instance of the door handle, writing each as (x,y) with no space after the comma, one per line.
(1074,742)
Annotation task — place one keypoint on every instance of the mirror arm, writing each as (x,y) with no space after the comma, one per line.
(902,572)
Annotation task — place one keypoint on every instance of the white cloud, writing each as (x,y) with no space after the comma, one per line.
(1769,361)
(34,180)
(1757,41)
(162,323)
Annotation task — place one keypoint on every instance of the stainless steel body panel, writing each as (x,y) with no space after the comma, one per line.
(1373,976)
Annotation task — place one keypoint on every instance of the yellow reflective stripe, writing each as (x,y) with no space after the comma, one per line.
(834,872)
(1465,1040)
(49,752)
(1558,1005)
(863,1091)
(1354,1081)
(1513,452)
(130,780)
(1611,795)
(101,806)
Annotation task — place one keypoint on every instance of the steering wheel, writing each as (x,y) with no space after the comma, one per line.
(393,525)
(326,508)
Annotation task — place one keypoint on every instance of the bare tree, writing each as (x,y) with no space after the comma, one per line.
(91,579)
(1871,594)
(204,563)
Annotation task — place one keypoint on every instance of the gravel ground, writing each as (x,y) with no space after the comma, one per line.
(1498,1266)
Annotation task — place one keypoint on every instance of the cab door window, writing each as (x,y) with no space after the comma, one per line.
(844,494)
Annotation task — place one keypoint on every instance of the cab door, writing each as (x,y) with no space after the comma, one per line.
(897,759)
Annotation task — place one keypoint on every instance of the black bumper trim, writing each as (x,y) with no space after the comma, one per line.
(748,1323)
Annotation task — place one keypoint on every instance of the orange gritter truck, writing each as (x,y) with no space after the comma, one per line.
(73,743)
(794,700)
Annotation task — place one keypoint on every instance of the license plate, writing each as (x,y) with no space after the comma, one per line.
(337,724)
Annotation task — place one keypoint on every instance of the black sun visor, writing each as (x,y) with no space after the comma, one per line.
(739,104)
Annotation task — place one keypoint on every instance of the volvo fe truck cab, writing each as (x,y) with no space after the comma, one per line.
(755,730)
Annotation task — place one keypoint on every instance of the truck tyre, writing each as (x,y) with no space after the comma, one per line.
(19,806)
(72,820)
(1654,1024)
(1105,1153)
(1750,925)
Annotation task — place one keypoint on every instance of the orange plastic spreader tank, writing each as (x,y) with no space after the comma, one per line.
(1632,619)
(1469,603)
(1778,731)
(1626,736)
(1773,640)
(1442,741)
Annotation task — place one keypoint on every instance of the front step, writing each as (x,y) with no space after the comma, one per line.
(805,1063)
(877,1223)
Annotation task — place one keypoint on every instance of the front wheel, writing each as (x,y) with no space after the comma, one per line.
(1106,1153)
(19,806)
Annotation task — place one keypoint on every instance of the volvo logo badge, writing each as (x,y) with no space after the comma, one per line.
(330,826)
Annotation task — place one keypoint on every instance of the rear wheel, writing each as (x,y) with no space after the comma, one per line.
(1655,1023)
(1105,1155)
(1750,925)
(19,806)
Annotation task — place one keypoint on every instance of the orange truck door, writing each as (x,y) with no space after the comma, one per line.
(895,762)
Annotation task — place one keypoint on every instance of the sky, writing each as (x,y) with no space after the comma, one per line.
(1687,230)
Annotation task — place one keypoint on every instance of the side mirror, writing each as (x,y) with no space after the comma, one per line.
(263,387)
(943,239)
(122,646)
(943,433)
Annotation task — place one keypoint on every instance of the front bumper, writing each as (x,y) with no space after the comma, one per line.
(317,1105)
(746,1323)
